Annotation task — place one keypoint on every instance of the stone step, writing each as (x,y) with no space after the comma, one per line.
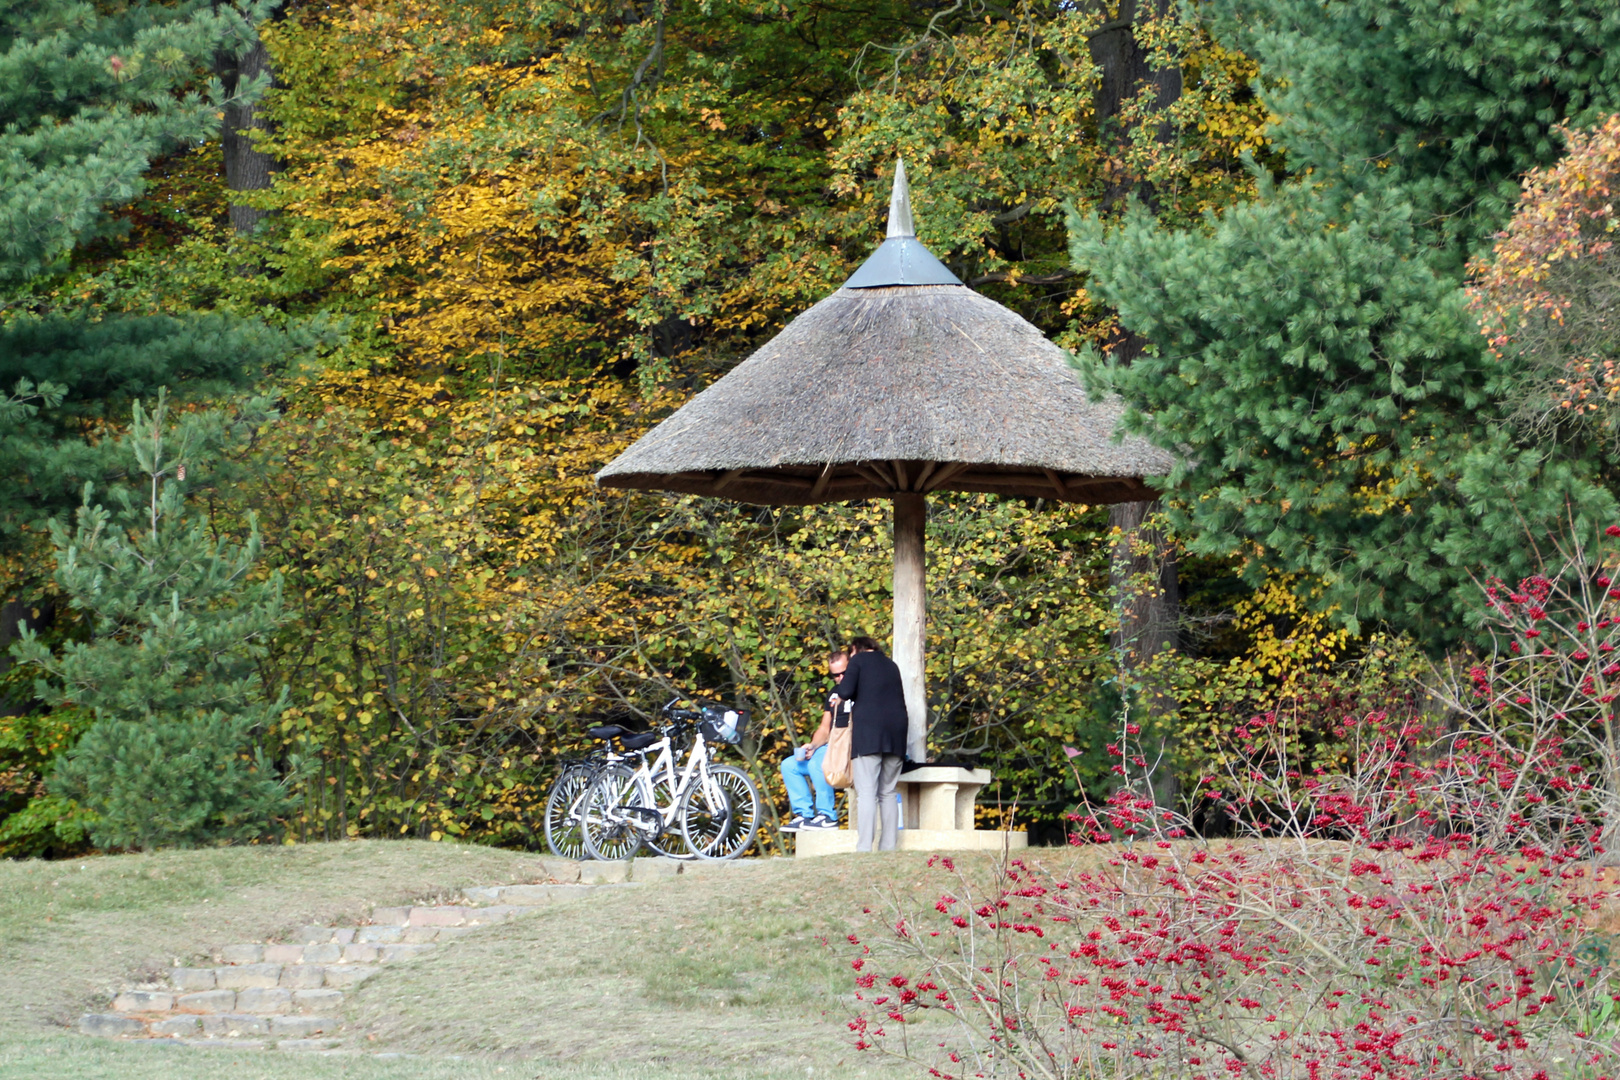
(260,1000)
(278,991)
(588,872)
(641,869)
(359,952)
(526,896)
(496,897)
(220,1025)
(314,944)
(290,976)
(287,994)
(260,1044)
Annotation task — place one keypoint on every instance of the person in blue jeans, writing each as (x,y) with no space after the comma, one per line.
(809,794)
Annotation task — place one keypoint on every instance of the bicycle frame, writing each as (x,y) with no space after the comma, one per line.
(647,777)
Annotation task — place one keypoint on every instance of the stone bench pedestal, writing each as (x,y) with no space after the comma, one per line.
(940,798)
(937,804)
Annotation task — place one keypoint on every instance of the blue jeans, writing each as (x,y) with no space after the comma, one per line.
(800,777)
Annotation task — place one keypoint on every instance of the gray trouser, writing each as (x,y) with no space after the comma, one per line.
(876,776)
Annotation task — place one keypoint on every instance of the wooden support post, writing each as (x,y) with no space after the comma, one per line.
(911,614)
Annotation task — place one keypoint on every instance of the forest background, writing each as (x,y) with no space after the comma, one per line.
(410,271)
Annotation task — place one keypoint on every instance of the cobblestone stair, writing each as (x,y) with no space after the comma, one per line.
(290,994)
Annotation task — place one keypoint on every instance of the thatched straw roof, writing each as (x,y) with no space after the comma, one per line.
(885,387)
(918,375)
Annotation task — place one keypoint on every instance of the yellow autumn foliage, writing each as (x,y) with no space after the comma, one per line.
(543,228)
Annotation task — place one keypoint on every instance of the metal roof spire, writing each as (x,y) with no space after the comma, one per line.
(900,203)
(900,259)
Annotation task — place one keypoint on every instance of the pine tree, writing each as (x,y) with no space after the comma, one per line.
(178,624)
(90,95)
(1314,360)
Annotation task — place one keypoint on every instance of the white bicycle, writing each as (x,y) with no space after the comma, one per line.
(564,833)
(714,810)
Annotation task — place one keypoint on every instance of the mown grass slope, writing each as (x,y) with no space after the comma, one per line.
(740,970)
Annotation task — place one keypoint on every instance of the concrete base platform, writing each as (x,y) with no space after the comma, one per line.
(813,842)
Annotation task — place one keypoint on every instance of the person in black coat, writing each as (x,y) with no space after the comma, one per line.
(876,703)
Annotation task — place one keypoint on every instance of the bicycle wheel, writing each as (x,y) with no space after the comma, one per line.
(563,834)
(720,816)
(609,815)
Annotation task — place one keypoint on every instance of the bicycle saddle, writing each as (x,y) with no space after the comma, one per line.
(639,740)
(607,731)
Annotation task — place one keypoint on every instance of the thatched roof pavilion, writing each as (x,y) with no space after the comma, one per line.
(903,382)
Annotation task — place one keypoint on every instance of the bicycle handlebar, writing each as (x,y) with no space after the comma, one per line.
(687,717)
(679,719)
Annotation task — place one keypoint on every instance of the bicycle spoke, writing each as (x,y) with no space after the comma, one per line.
(669,841)
(611,833)
(562,822)
(720,814)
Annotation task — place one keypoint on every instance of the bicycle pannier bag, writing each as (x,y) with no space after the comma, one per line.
(835,765)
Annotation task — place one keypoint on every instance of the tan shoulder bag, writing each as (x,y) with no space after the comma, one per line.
(835,765)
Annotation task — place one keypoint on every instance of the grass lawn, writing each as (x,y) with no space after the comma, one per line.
(85,1059)
(717,974)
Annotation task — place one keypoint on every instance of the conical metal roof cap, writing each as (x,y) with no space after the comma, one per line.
(900,203)
(901,259)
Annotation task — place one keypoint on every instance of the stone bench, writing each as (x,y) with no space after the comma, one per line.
(937,805)
(938,797)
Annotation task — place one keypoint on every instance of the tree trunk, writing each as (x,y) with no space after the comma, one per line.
(247,168)
(1127,71)
(1142,568)
(1142,571)
(36,617)
(911,615)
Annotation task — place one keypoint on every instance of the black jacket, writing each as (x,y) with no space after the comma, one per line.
(872,682)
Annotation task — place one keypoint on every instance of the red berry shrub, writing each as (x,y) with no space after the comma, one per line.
(1425,908)
(1538,742)
(1314,959)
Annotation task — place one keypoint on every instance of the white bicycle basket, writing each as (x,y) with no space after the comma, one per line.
(721,724)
